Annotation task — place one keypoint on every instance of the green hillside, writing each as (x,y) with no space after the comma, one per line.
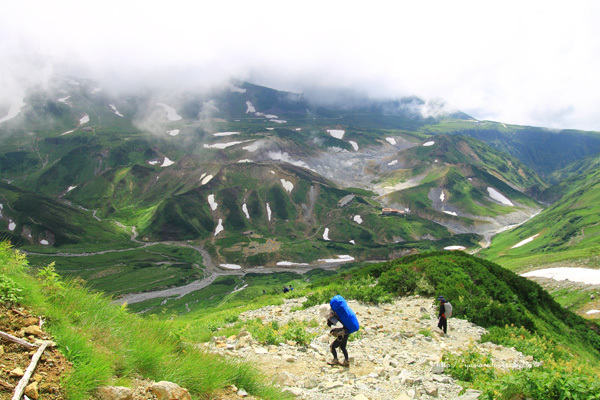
(566,232)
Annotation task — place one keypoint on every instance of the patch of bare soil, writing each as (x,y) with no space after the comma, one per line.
(15,358)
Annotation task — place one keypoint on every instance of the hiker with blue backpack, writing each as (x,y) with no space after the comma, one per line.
(444,314)
(339,311)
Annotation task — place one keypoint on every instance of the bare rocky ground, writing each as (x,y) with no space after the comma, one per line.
(15,358)
(395,355)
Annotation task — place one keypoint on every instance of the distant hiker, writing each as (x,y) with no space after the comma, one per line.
(264,291)
(291,288)
(285,289)
(339,311)
(444,314)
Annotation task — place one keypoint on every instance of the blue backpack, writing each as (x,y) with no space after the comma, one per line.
(346,316)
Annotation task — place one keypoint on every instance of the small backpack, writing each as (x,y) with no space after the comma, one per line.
(447,309)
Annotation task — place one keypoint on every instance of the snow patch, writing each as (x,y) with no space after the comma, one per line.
(279,121)
(390,140)
(326,234)
(67,132)
(225,133)
(171,112)
(250,108)
(354,144)
(352,241)
(64,99)
(289,186)
(523,242)
(336,133)
(71,188)
(230,266)
(268,212)
(584,275)
(593,312)
(341,258)
(211,201)
(115,110)
(219,227)
(154,162)
(206,179)
(225,145)
(393,162)
(357,219)
(84,120)
(236,89)
(245,210)
(442,196)
(451,213)
(494,194)
(245,160)
(173,132)
(14,110)
(167,162)
(454,248)
(427,144)
(44,242)
(289,263)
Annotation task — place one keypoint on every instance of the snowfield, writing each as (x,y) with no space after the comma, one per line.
(112,106)
(219,227)
(205,178)
(245,210)
(357,219)
(64,99)
(584,275)
(451,213)
(354,144)
(454,248)
(430,143)
(171,112)
(268,212)
(390,140)
(225,145)
(211,201)
(289,264)
(84,120)
(326,234)
(225,133)
(499,197)
(289,186)
(522,242)
(230,266)
(336,133)
(393,162)
(173,132)
(167,162)
(341,258)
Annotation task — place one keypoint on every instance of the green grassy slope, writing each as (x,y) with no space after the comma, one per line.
(567,231)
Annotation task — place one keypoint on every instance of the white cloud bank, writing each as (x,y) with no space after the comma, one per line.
(531,62)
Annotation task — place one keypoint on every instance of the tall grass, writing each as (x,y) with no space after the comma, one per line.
(107,343)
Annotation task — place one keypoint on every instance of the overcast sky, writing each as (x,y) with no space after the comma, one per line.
(522,62)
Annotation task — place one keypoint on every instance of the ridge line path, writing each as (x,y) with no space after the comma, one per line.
(395,355)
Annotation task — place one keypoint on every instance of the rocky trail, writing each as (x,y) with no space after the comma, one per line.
(395,355)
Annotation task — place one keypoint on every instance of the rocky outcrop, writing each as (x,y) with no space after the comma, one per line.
(395,355)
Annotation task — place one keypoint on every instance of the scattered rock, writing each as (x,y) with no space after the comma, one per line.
(31,391)
(114,393)
(164,390)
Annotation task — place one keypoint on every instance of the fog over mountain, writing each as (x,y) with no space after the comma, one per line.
(532,63)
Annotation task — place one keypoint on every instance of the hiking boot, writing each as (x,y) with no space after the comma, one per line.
(335,361)
(346,363)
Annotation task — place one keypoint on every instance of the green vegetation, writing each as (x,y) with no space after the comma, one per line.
(517,312)
(107,343)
